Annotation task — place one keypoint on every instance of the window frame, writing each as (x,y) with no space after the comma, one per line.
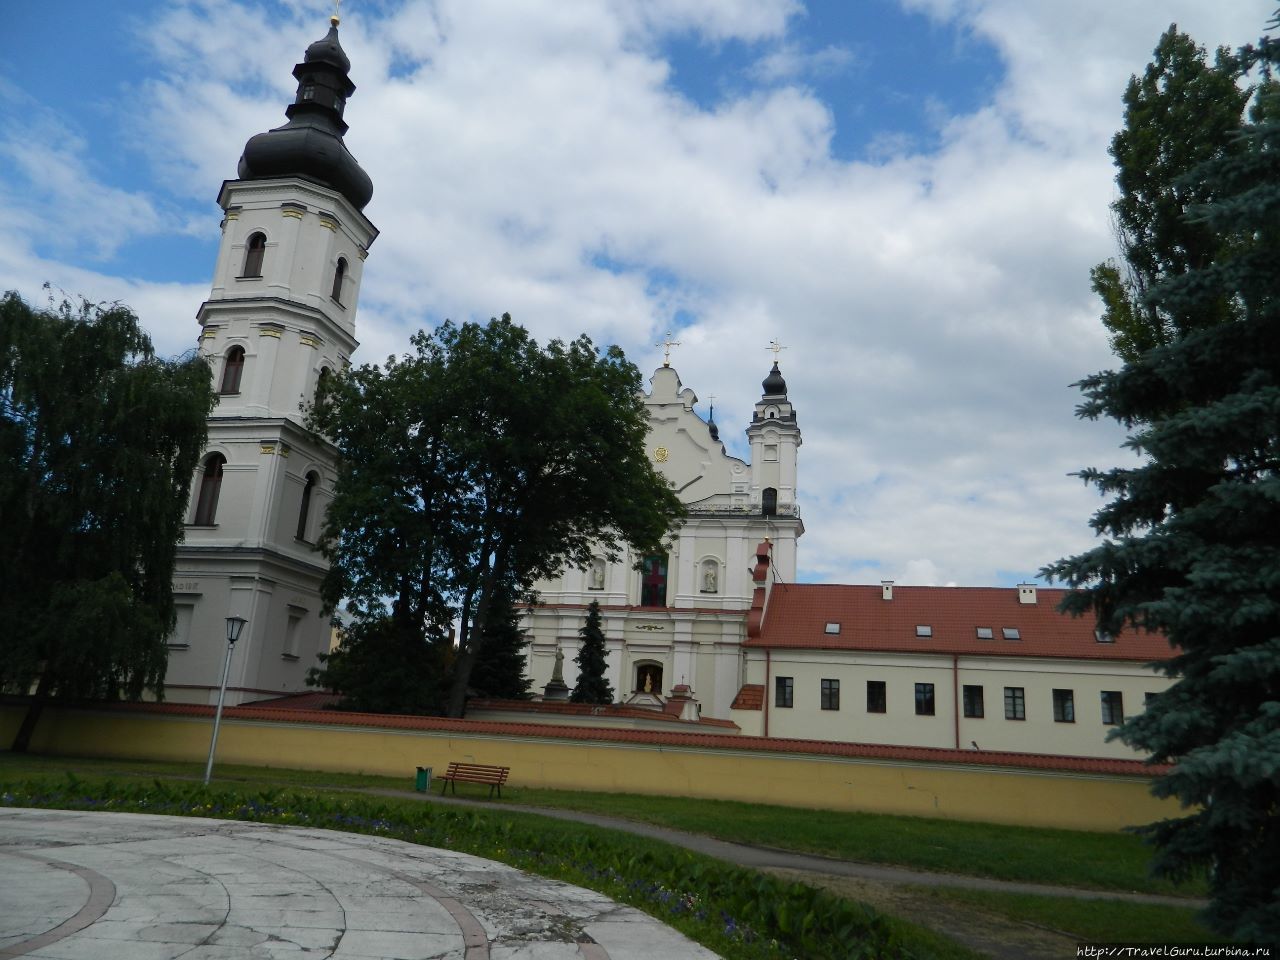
(255,254)
(1015,703)
(1064,705)
(1112,707)
(210,489)
(232,371)
(784,689)
(974,706)
(877,696)
(926,700)
(829,694)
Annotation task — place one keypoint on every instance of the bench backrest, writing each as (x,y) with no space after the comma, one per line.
(482,772)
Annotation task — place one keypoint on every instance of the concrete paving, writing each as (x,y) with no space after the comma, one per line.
(80,885)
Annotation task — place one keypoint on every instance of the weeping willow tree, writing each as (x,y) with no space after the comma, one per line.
(99,440)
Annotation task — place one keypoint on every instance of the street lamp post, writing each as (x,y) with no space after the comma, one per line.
(234,626)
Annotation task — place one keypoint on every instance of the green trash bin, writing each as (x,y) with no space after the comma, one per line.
(422,782)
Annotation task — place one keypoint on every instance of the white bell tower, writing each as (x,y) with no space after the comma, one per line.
(775,438)
(280,316)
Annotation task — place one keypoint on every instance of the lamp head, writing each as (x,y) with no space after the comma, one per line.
(234,626)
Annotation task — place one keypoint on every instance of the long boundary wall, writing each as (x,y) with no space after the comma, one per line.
(1000,788)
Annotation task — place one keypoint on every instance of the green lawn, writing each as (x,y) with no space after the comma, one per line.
(1102,862)
(1095,861)
(1073,858)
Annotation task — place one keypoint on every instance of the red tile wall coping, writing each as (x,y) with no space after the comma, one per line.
(798,613)
(628,608)
(597,710)
(705,741)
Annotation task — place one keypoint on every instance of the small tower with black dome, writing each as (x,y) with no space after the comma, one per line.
(774,436)
(280,317)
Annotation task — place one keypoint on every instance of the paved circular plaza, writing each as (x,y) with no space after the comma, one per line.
(104,886)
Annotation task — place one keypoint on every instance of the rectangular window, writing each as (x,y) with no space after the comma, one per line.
(291,632)
(875,696)
(1112,707)
(1064,706)
(784,692)
(830,694)
(973,702)
(1011,633)
(653,581)
(984,633)
(924,699)
(1015,706)
(924,630)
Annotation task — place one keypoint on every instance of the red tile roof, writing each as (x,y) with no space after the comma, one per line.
(691,739)
(797,616)
(750,697)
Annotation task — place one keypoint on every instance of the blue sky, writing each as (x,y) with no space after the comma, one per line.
(907,193)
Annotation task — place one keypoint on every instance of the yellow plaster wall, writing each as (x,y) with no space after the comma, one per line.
(952,791)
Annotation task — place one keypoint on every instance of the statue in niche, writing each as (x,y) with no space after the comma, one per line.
(597,575)
(709,577)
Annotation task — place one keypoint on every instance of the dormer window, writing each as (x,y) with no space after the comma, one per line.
(254,251)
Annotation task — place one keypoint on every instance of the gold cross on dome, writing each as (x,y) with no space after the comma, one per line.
(776,347)
(667,344)
(337,12)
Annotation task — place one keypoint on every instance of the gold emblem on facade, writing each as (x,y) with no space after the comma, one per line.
(660,454)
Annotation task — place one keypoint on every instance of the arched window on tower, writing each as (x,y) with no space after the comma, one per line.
(254,251)
(769,502)
(321,380)
(339,273)
(304,512)
(232,369)
(210,486)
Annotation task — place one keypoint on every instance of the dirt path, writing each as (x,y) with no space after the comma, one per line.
(985,933)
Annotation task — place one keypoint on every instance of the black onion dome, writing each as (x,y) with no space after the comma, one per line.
(329,50)
(774,385)
(310,145)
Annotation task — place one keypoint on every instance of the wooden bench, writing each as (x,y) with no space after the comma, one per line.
(495,777)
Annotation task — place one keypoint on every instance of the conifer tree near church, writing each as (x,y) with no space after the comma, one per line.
(1192,544)
(592,687)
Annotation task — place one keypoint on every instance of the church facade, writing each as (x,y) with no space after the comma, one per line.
(279,318)
(680,617)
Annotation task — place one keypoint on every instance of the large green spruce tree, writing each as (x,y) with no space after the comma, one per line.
(592,685)
(1192,536)
(99,441)
(469,468)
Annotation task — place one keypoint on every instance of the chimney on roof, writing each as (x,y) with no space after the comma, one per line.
(1026,593)
(886,589)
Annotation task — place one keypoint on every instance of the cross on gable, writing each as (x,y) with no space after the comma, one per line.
(667,344)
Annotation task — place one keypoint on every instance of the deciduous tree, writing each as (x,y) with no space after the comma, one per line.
(592,686)
(1192,532)
(99,440)
(479,463)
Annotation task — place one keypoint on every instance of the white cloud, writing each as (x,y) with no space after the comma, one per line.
(535,157)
